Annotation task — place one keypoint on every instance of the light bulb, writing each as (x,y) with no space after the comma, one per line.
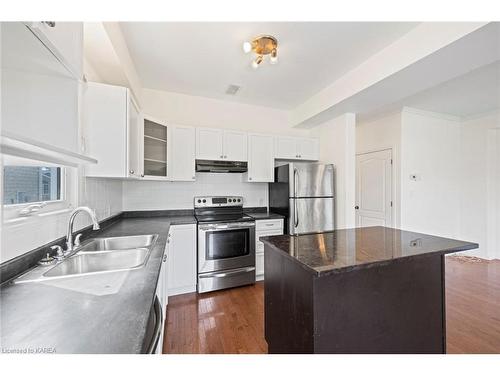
(274,57)
(247,47)
(256,62)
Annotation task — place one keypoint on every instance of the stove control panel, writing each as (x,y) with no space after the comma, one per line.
(231,201)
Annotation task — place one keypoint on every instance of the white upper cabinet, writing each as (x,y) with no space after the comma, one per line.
(235,145)
(286,148)
(260,158)
(182,153)
(135,163)
(40,97)
(110,135)
(218,144)
(308,148)
(65,40)
(209,144)
(297,148)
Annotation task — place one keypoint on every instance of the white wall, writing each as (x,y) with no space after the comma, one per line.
(457,163)
(200,111)
(430,148)
(380,134)
(338,146)
(19,237)
(160,195)
(480,184)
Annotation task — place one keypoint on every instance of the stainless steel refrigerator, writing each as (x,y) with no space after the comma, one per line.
(304,194)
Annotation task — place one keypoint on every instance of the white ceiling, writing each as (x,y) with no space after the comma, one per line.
(470,94)
(204,58)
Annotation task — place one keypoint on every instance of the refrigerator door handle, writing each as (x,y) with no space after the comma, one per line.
(295,183)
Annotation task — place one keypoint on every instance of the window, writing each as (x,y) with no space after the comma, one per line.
(28,184)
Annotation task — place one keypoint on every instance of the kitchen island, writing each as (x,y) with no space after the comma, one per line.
(363,290)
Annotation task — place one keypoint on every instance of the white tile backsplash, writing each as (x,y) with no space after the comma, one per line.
(161,195)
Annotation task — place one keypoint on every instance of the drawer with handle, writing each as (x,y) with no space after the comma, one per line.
(268,224)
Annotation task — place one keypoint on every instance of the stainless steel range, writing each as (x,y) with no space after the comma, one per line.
(226,243)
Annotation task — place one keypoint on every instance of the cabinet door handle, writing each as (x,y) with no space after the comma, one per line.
(131,171)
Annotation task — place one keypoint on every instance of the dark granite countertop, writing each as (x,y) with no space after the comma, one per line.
(261,213)
(176,217)
(105,313)
(347,249)
(264,215)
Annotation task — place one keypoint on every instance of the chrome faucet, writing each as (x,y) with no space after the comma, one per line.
(70,247)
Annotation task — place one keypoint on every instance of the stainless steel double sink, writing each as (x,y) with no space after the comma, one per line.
(99,255)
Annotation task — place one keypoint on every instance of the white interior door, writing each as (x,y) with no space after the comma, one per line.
(374,189)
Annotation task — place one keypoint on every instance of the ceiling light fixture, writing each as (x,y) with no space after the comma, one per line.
(257,61)
(262,46)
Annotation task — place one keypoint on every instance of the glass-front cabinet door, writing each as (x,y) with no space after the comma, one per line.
(155,148)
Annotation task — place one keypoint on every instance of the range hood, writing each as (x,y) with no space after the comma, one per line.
(221,166)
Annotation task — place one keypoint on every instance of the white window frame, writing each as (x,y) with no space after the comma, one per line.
(11,212)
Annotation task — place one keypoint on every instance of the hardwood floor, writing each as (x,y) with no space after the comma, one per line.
(232,321)
(472,306)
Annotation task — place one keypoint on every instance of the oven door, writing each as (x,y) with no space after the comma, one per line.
(225,246)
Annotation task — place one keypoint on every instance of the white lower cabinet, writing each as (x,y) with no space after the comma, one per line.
(182,259)
(263,228)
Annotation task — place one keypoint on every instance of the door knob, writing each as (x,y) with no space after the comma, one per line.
(356,207)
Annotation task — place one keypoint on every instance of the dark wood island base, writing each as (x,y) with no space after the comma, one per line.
(365,290)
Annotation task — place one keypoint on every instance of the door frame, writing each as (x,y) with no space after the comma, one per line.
(394,223)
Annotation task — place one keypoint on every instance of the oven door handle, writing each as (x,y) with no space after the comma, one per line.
(227,273)
(207,227)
